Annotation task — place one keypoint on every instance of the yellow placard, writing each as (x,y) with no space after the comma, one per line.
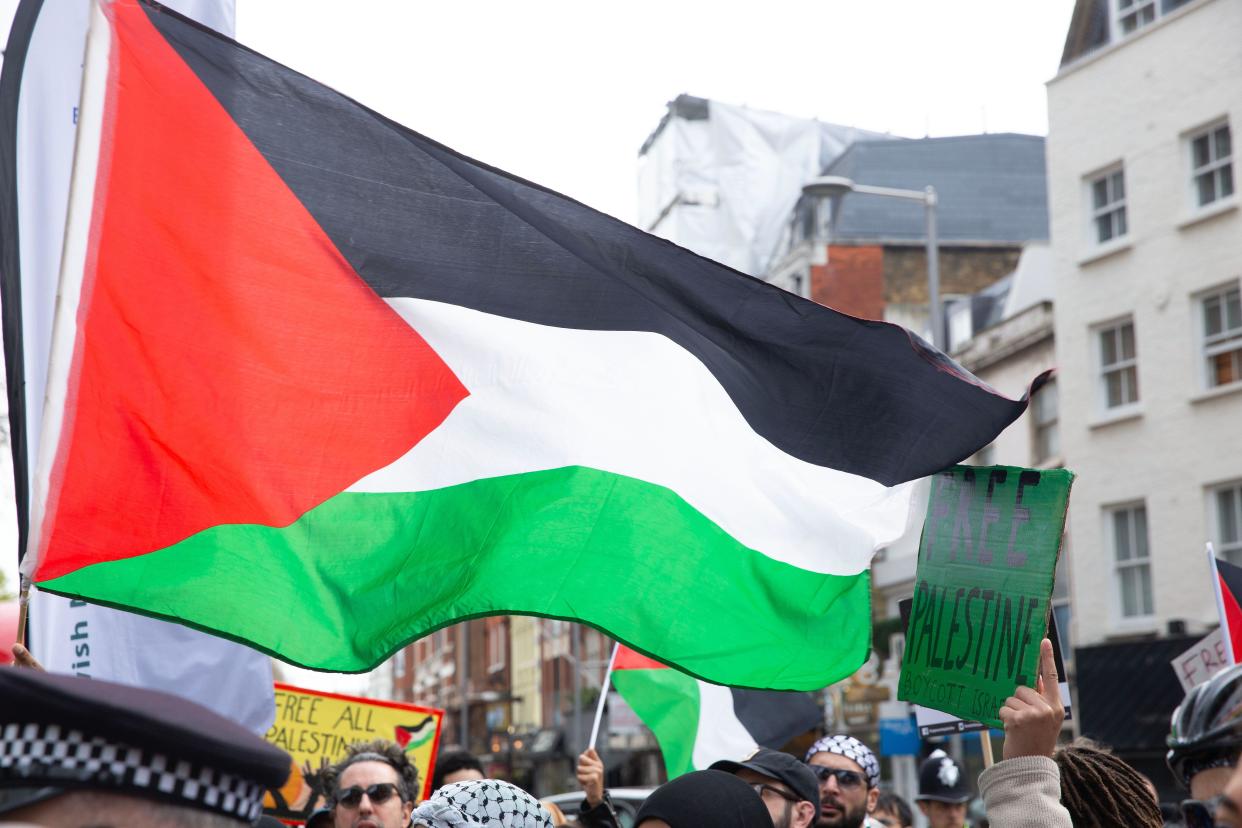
(316,728)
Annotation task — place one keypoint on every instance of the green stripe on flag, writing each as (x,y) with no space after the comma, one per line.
(668,702)
(362,574)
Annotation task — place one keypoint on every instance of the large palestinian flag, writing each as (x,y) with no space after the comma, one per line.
(697,723)
(323,385)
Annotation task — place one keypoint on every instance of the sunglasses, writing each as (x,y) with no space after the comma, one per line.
(845,778)
(378,793)
(1199,814)
(761,787)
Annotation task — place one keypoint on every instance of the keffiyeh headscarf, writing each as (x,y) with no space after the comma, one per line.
(488,802)
(852,749)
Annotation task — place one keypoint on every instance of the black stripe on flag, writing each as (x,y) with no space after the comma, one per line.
(774,718)
(416,219)
(1230,579)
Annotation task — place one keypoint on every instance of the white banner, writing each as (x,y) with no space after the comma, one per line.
(74,637)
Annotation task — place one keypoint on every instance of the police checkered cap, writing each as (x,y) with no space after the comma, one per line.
(852,749)
(70,733)
(49,754)
(488,802)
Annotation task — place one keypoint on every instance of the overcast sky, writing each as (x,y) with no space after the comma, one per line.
(564,93)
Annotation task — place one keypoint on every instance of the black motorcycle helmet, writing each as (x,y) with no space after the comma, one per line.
(1206,730)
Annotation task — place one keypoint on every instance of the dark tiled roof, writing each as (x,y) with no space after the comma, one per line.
(1088,29)
(991,188)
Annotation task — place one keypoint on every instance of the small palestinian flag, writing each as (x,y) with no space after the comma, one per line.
(412,737)
(323,385)
(1227,584)
(697,723)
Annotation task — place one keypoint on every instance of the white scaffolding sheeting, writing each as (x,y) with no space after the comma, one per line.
(721,180)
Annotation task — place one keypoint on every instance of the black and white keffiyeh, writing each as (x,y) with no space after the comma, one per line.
(489,802)
(850,748)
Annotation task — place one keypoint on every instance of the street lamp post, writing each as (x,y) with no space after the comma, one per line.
(836,187)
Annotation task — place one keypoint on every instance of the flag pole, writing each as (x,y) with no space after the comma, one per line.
(985,742)
(603,697)
(23,604)
(1220,602)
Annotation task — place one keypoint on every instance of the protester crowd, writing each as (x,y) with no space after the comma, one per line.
(77,752)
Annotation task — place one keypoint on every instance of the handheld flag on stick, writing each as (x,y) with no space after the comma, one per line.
(1227,587)
(697,723)
(310,359)
(603,697)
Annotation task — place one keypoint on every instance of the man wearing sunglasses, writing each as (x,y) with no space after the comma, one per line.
(374,786)
(787,787)
(849,779)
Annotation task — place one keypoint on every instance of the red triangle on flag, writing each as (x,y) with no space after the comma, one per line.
(628,659)
(1229,580)
(231,367)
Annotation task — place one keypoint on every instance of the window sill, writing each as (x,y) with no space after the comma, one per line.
(1120,415)
(1056,461)
(1211,211)
(1135,625)
(1219,391)
(1103,251)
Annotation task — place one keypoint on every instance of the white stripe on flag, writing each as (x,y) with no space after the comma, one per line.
(720,733)
(636,404)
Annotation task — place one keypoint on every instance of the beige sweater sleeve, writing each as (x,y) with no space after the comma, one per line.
(1024,793)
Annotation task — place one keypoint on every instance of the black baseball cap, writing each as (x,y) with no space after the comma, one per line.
(780,766)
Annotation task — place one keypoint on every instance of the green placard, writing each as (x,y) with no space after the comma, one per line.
(986,565)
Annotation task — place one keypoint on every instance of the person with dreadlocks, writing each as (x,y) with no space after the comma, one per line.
(1099,789)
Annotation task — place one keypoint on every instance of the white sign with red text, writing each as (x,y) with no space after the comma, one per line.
(1203,660)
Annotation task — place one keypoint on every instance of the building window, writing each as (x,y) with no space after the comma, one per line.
(1118,366)
(1211,163)
(398,664)
(1135,14)
(1108,206)
(1226,505)
(1061,602)
(496,631)
(1128,527)
(1222,336)
(1045,437)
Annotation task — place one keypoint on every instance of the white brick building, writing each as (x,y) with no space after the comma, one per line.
(1147,245)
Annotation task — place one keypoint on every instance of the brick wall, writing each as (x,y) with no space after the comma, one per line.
(862,280)
(963,270)
(852,281)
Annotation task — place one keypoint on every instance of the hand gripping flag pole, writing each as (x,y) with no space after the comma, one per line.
(603,697)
